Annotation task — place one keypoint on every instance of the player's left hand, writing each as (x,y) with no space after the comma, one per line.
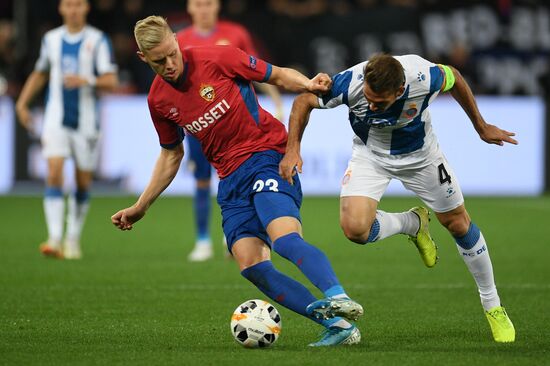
(491,134)
(289,165)
(320,84)
(74,81)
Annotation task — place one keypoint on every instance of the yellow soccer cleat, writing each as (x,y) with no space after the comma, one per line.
(501,326)
(423,240)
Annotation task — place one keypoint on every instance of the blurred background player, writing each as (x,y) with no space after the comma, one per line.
(76,60)
(208,30)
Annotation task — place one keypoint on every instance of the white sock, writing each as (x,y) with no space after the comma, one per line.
(394,223)
(54,210)
(75,218)
(478,261)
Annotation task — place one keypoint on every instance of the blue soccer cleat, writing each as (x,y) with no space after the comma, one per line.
(331,307)
(335,336)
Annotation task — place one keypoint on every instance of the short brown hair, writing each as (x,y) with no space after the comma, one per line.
(384,74)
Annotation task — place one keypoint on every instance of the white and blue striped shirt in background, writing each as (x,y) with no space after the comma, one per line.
(87,54)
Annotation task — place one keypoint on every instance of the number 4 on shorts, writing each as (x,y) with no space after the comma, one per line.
(444,177)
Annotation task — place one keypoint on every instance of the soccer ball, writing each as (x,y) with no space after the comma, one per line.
(256,323)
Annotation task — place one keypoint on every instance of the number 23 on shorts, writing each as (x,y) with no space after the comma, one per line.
(270,184)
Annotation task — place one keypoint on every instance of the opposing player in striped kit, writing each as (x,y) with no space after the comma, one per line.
(388,99)
(76,60)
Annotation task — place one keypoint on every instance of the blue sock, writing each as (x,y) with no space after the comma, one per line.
(374,231)
(202,212)
(81,196)
(279,287)
(54,192)
(313,263)
(470,239)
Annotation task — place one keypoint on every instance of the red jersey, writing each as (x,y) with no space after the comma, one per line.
(215,102)
(224,34)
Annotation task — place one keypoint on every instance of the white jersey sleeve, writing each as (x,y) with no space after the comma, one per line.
(43,62)
(423,77)
(346,87)
(104,62)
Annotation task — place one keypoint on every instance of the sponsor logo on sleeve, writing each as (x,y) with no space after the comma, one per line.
(252,62)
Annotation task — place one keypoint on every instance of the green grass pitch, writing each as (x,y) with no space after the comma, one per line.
(134,299)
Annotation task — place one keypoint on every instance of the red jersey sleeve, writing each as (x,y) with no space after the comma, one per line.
(235,63)
(170,134)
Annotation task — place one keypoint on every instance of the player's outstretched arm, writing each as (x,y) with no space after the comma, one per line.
(165,170)
(294,81)
(299,117)
(462,93)
(34,83)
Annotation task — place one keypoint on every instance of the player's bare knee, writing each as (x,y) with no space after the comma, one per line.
(54,180)
(355,230)
(457,225)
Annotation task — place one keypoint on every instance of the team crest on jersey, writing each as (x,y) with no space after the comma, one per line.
(207,92)
(410,112)
(223,42)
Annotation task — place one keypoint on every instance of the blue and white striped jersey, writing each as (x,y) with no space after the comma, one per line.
(401,135)
(87,54)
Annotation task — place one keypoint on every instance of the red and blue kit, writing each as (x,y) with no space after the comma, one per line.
(215,102)
(225,34)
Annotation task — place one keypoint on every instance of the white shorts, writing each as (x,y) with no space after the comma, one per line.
(435,184)
(66,143)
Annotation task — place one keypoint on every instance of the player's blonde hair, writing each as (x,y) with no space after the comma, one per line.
(150,32)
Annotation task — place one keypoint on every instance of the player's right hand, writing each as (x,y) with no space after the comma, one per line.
(124,219)
(320,84)
(25,117)
(290,165)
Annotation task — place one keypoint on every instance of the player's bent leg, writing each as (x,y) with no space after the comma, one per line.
(358,218)
(363,223)
(279,213)
(54,208)
(253,257)
(254,260)
(474,251)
